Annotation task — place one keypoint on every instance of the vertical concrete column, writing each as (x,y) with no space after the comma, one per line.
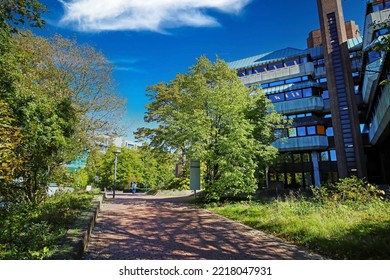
(316,168)
(345,119)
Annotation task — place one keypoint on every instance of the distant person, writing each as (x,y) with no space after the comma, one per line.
(134,187)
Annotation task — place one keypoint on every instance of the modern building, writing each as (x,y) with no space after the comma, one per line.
(334,93)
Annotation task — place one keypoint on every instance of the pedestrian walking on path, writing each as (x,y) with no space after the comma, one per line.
(167,228)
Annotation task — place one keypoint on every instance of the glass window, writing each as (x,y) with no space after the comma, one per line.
(327,116)
(306,157)
(377,7)
(293,94)
(309,114)
(259,69)
(299,179)
(301,131)
(311,130)
(292,116)
(292,132)
(304,59)
(276,97)
(297,158)
(373,56)
(301,115)
(272,177)
(278,133)
(356,88)
(325,94)
(308,179)
(277,83)
(307,92)
(322,80)
(282,177)
(264,85)
(305,78)
(271,66)
(387,5)
(333,156)
(241,73)
(321,129)
(325,156)
(329,131)
(279,65)
(248,71)
(293,80)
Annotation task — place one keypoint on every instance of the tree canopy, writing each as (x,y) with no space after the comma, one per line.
(208,114)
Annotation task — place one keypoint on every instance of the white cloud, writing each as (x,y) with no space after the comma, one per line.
(152,15)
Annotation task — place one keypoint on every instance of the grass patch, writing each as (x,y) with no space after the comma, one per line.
(34,231)
(354,230)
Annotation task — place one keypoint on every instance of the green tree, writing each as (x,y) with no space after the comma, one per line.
(106,170)
(130,167)
(93,164)
(57,117)
(20,12)
(204,115)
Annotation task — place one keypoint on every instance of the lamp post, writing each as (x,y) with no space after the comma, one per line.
(116,162)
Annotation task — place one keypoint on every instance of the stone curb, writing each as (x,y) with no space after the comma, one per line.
(76,239)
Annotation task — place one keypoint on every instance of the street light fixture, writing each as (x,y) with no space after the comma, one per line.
(115,165)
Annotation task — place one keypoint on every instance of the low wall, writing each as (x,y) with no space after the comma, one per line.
(76,239)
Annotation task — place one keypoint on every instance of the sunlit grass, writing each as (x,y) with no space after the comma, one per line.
(338,231)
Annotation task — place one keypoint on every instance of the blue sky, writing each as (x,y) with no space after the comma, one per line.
(150,41)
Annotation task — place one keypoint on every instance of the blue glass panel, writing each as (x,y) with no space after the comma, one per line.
(276,97)
(301,131)
(329,131)
(311,130)
(333,156)
(307,92)
(293,80)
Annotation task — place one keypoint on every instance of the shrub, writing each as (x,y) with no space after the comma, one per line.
(30,231)
(350,189)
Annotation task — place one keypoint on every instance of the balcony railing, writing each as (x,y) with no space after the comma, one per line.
(307,143)
(371,20)
(381,117)
(302,105)
(277,74)
(370,79)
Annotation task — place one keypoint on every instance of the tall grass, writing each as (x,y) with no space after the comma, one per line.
(32,231)
(354,230)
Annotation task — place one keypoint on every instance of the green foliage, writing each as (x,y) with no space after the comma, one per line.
(181,183)
(357,230)
(58,94)
(209,115)
(20,12)
(32,232)
(350,189)
(148,169)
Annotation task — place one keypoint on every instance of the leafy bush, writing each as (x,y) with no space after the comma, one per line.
(181,183)
(31,231)
(350,189)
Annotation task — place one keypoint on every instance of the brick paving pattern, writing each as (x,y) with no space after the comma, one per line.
(139,227)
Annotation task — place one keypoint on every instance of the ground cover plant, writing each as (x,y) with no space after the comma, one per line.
(34,231)
(336,222)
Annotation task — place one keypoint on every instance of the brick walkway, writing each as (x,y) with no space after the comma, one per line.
(146,227)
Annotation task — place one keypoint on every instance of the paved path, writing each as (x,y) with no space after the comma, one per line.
(146,227)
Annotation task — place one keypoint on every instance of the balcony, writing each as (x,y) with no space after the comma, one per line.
(307,143)
(279,74)
(371,20)
(381,117)
(370,79)
(302,105)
